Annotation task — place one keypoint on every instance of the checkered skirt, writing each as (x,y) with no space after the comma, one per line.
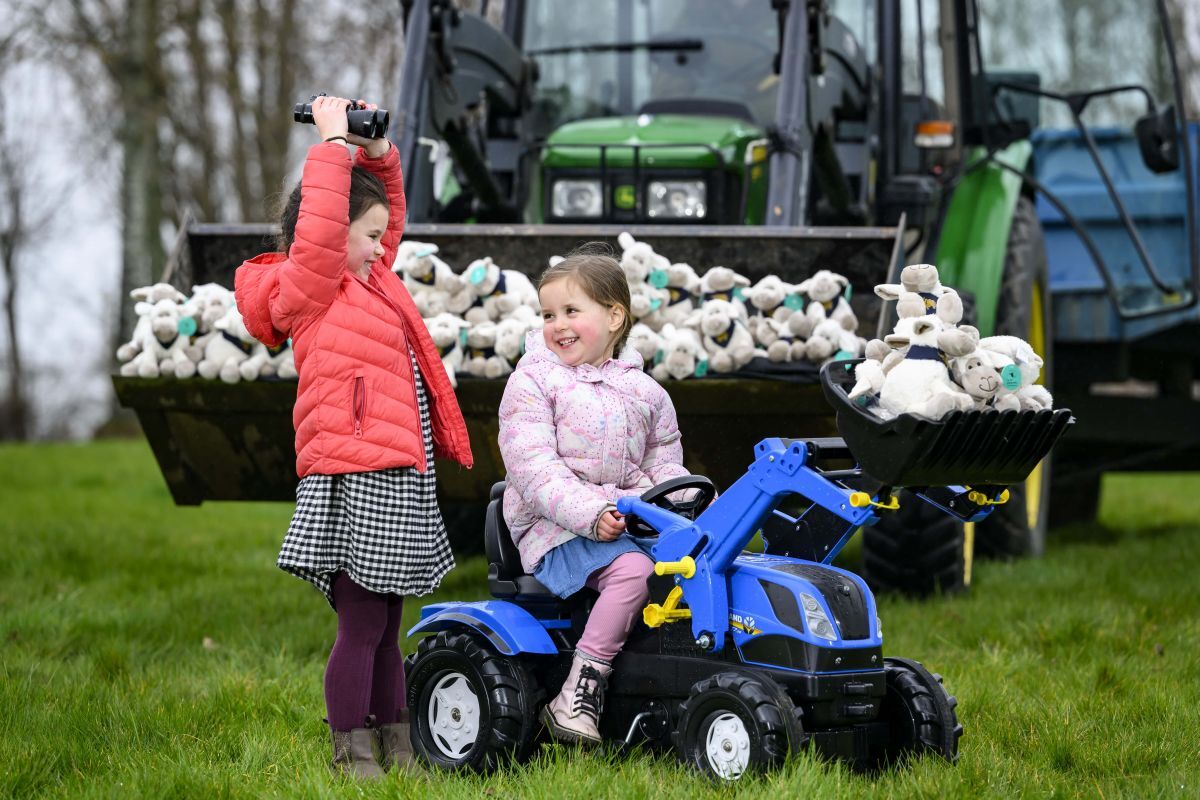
(383,528)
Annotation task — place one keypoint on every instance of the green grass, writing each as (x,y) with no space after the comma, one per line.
(156,651)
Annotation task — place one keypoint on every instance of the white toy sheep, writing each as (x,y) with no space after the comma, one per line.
(150,295)
(208,303)
(830,342)
(726,338)
(491,293)
(159,348)
(446,330)
(638,259)
(428,279)
(647,342)
(923,280)
(1019,369)
(265,362)
(479,354)
(510,338)
(977,374)
(825,291)
(722,283)
(777,339)
(773,298)
(225,352)
(920,384)
(683,355)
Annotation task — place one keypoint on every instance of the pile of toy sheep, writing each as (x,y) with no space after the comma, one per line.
(686,325)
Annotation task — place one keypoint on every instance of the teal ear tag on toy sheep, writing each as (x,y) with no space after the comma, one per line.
(658,278)
(186,326)
(477,274)
(1010,376)
(701,368)
(793,302)
(425,251)
(656,304)
(843,355)
(739,293)
(846,294)
(462,337)
(659,355)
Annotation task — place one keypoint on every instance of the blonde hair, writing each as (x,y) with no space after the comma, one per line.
(592,267)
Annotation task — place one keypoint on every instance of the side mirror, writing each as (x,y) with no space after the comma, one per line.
(1158,139)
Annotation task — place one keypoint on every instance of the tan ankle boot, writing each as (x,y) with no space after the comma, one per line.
(574,714)
(355,752)
(397,744)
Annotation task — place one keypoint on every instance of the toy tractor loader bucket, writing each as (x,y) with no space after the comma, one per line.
(976,448)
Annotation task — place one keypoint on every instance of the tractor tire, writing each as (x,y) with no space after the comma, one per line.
(916,550)
(732,724)
(1018,528)
(1076,500)
(471,707)
(919,713)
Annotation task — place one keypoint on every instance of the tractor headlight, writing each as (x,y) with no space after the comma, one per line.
(677,199)
(576,198)
(818,623)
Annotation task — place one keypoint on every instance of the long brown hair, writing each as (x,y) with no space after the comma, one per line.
(592,267)
(366,190)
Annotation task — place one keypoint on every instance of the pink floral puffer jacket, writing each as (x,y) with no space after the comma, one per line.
(575,439)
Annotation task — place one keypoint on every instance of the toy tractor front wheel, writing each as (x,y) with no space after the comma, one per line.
(919,713)
(733,723)
(471,708)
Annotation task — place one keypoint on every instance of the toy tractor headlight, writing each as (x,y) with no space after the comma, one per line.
(677,199)
(818,623)
(576,198)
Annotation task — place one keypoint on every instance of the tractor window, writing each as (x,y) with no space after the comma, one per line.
(1074,47)
(612,57)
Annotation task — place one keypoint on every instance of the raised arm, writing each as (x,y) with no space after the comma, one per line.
(528,444)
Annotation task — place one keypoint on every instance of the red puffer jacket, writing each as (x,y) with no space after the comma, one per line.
(356,404)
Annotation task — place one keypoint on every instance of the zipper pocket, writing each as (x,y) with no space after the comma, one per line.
(358,404)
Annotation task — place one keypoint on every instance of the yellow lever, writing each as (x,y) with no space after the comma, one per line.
(862,500)
(684,566)
(981,499)
(655,615)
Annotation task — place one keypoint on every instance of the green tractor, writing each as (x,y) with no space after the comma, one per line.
(784,136)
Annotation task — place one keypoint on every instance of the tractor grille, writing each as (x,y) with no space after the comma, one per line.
(844,597)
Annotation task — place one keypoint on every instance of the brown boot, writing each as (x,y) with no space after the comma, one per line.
(355,752)
(396,739)
(573,716)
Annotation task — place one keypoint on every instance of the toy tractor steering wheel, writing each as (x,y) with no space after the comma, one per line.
(689,509)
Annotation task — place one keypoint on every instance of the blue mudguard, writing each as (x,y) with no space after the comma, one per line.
(508,627)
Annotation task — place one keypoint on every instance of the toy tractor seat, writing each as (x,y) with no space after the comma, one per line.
(973,448)
(506,576)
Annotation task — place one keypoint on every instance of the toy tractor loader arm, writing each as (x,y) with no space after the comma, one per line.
(700,553)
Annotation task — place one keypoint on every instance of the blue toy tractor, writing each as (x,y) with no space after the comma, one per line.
(743,658)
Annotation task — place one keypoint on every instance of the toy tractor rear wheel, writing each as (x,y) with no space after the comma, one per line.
(471,707)
(919,713)
(734,723)
(1018,528)
(916,550)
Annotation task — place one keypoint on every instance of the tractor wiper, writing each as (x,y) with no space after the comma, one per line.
(677,45)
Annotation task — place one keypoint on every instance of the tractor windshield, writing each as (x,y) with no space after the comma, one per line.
(623,57)
(1095,84)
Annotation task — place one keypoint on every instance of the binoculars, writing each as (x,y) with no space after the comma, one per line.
(361,121)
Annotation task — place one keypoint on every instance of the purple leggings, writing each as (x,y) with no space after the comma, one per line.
(365,674)
(623,595)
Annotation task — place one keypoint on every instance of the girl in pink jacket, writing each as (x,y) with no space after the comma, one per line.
(374,406)
(580,427)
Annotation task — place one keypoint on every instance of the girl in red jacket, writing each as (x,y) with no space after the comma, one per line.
(373,408)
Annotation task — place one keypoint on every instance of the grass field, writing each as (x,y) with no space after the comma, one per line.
(155,651)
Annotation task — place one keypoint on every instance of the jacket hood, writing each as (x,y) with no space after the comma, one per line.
(535,349)
(253,284)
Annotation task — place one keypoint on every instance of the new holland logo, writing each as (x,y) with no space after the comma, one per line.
(744,624)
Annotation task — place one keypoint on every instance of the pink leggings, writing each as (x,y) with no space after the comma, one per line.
(623,595)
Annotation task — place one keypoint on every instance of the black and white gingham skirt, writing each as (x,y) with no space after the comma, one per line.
(383,528)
